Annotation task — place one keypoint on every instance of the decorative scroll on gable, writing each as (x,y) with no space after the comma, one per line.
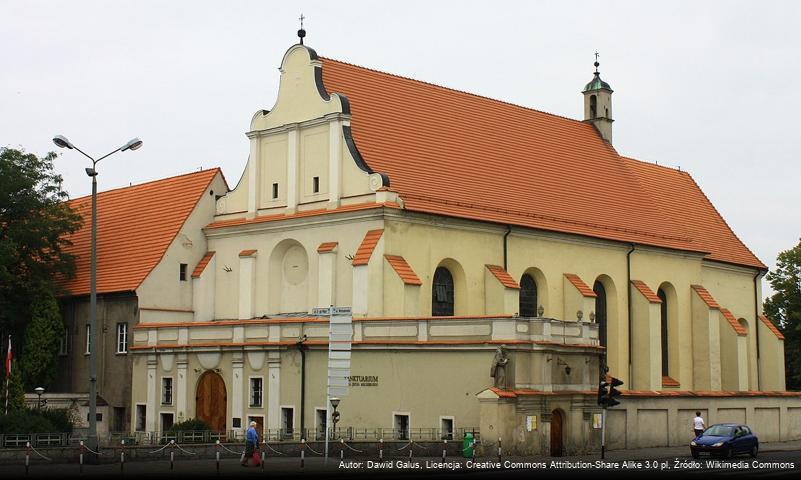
(302,153)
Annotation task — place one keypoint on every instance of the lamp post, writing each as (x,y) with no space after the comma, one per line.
(62,142)
(335,414)
(39,391)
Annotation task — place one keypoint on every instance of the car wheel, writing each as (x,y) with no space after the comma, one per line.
(726,453)
(754,450)
(694,454)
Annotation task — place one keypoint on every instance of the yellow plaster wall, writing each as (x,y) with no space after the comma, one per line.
(162,287)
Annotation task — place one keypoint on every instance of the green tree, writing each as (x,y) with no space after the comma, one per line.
(784,307)
(42,337)
(34,223)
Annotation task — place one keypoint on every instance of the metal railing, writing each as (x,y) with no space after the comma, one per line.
(19,440)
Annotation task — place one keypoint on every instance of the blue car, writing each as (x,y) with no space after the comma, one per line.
(725,439)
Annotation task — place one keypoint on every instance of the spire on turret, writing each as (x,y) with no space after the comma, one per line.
(301,32)
(598,103)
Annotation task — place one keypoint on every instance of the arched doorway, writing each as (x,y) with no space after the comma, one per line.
(557,421)
(212,401)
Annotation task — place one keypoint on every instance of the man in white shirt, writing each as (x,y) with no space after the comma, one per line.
(698,424)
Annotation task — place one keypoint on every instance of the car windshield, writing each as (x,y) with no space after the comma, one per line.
(719,431)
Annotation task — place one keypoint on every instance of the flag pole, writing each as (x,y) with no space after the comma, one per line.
(8,372)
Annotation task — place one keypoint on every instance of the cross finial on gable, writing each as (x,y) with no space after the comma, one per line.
(301,32)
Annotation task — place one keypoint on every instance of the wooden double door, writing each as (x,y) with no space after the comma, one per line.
(557,436)
(211,401)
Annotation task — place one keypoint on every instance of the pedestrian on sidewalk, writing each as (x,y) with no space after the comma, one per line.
(251,441)
(698,424)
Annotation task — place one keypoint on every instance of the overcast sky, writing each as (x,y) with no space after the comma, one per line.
(712,87)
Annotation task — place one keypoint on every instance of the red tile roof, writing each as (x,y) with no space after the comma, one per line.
(705,296)
(403,270)
(326,247)
(678,195)
(646,292)
(772,327)
(247,253)
(669,382)
(457,154)
(201,265)
(135,225)
(365,250)
(580,285)
(739,329)
(503,276)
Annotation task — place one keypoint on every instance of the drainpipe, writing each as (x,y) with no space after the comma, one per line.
(302,349)
(505,248)
(756,327)
(628,304)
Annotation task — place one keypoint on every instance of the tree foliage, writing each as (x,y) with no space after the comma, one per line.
(784,308)
(42,338)
(34,223)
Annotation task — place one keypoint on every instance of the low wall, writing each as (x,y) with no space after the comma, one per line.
(640,422)
(532,423)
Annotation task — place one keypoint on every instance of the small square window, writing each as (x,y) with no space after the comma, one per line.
(316,185)
(182,272)
(275,190)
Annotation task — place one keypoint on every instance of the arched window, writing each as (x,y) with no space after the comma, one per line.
(600,311)
(593,106)
(663,311)
(442,293)
(528,296)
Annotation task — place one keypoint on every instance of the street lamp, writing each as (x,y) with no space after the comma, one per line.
(39,391)
(62,142)
(335,414)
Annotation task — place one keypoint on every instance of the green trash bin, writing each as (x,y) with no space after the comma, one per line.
(467,445)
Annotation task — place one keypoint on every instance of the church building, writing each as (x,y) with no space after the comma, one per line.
(496,258)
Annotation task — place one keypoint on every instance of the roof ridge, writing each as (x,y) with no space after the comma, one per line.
(450,89)
(654,164)
(151,181)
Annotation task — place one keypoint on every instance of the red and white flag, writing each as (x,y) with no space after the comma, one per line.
(8,358)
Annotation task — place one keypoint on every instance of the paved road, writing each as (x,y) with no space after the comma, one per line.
(769,464)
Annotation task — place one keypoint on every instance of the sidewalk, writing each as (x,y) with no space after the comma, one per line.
(400,466)
(684,451)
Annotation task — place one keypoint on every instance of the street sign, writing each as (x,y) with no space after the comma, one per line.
(328,311)
(340,337)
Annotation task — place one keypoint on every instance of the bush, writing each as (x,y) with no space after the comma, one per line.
(34,421)
(60,418)
(192,424)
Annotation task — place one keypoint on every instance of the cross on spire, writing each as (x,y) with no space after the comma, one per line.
(301,32)
(596,61)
